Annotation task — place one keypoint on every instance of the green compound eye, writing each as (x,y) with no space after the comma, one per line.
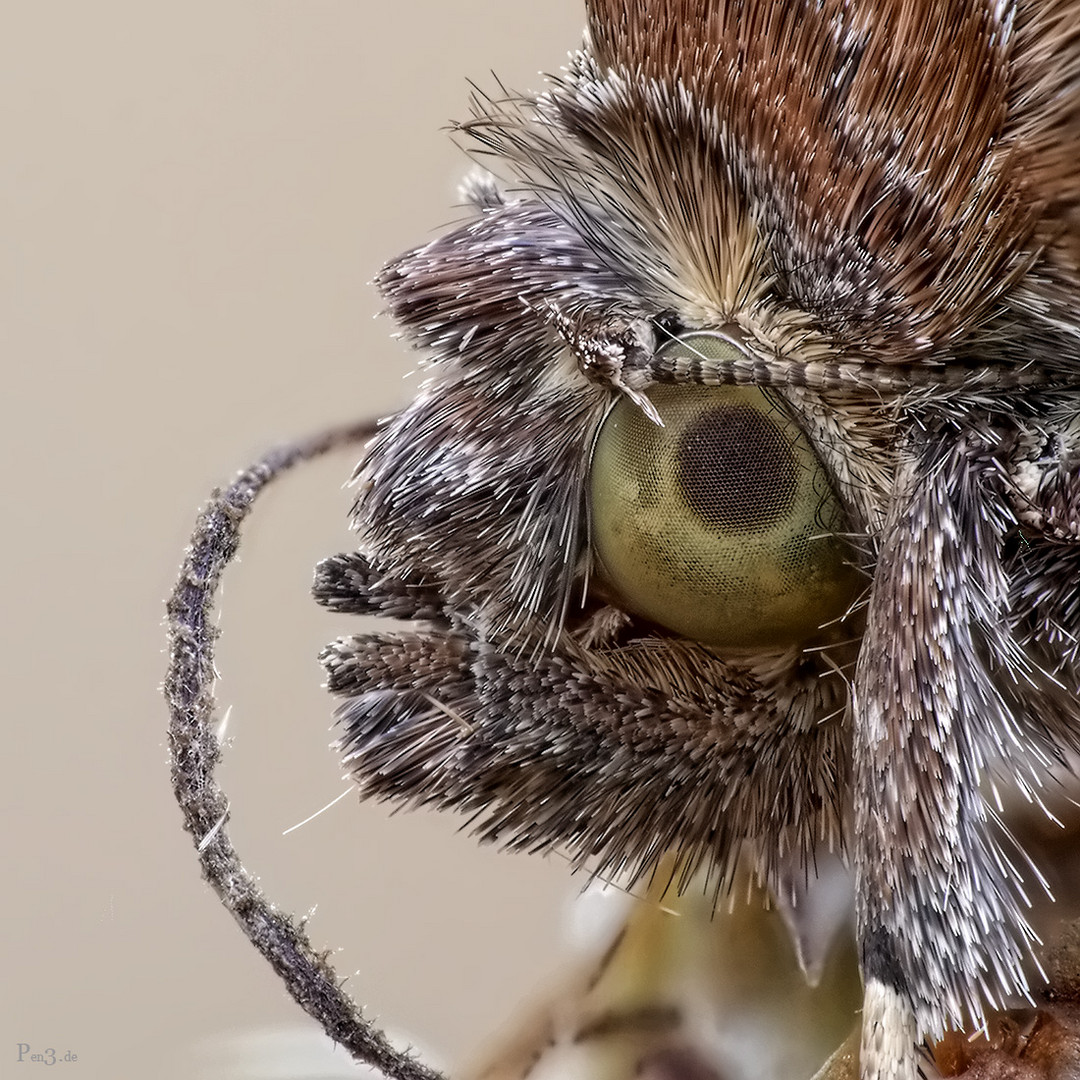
(721,524)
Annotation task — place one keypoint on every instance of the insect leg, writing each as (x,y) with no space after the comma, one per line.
(938,910)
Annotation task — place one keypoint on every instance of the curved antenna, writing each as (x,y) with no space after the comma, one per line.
(195,751)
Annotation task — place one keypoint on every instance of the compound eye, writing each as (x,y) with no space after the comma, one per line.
(721,525)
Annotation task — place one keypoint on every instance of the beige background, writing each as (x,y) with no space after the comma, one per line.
(193,197)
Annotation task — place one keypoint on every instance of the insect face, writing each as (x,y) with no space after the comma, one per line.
(739,510)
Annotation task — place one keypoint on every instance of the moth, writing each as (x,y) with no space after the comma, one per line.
(738,518)
(740,509)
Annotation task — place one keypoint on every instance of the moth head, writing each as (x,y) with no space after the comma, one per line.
(744,390)
(740,509)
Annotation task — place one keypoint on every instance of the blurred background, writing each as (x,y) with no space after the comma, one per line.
(194,198)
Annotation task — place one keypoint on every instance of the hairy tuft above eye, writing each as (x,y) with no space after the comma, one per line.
(722,524)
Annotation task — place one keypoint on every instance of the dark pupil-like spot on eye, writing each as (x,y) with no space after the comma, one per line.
(737,471)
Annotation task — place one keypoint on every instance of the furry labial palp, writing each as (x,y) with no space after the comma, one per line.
(868,211)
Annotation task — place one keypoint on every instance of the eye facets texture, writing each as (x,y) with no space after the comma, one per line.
(721,525)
